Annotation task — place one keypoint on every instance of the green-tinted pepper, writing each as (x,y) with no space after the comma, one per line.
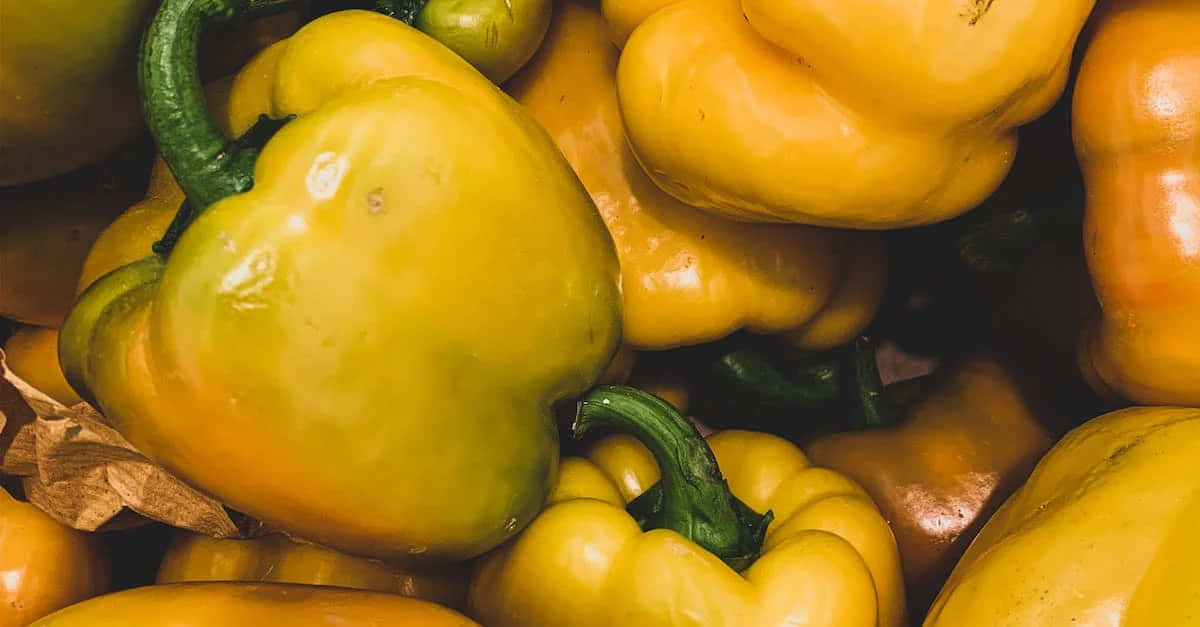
(360,340)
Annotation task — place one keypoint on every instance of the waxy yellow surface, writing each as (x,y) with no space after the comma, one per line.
(208,604)
(688,276)
(1137,133)
(829,558)
(276,558)
(374,334)
(1102,533)
(848,113)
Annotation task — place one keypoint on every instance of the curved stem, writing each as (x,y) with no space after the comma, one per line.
(871,408)
(253,140)
(696,501)
(207,166)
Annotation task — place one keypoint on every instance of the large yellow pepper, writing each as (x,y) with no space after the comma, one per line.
(276,558)
(689,277)
(376,331)
(1102,533)
(44,565)
(1137,133)
(847,113)
(827,556)
(207,604)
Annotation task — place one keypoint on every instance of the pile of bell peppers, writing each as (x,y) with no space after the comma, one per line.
(529,313)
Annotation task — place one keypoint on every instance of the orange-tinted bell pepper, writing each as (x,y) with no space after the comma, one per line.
(937,475)
(44,565)
(277,558)
(688,276)
(211,603)
(1137,134)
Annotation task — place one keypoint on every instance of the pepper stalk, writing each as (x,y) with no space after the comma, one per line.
(695,500)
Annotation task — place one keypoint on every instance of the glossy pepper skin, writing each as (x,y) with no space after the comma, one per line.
(45,565)
(828,557)
(395,404)
(277,558)
(940,473)
(253,605)
(68,89)
(1102,533)
(1137,135)
(688,276)
(859,114)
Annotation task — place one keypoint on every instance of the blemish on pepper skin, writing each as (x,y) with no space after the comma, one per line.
(375,204)
(976,9)
(492,38)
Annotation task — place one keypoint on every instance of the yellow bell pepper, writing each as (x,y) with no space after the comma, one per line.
(846,113)
(207,604)
(1102,533)
(276,558)
(689,277)
(32,354)
(376,321)
(44,565)
(827,555)
(1137,133)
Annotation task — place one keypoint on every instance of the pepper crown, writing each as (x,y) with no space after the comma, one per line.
(693,497)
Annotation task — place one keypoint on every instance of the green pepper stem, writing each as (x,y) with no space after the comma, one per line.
(871,408)
(253,139)
(207,165)
(696,501)
(743,384)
